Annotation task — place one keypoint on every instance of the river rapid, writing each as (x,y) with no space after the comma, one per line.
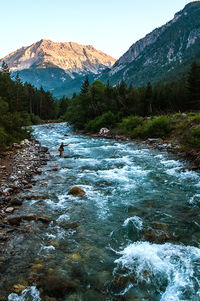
(134,236)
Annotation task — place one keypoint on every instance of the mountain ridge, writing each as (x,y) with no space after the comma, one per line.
(164,49)
(69,56)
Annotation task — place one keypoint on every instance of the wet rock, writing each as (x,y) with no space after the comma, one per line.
(159,225)
(14,221)
(29,218)
(153,140)
(76,191)
(55,169)
(9,210)
(18,288)
(70,225)
(75,257)
(157,236)
(43,149)
(44,220)
(55,287)
(16,202)
(3,237)
(37,267)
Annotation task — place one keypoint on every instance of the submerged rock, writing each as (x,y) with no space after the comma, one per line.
(76,191)
(18,288)
(17,201)
(55,287)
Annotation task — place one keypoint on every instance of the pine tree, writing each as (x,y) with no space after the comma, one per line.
(149,97)
(5,69)
(194,86)
(85,87)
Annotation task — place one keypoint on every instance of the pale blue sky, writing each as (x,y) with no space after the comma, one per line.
(109,25)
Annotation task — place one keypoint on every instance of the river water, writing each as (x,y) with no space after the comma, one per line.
(133,236)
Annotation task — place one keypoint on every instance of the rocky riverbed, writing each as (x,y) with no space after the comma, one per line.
(17,168)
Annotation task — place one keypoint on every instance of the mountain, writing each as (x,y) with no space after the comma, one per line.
(55,65)
(164,54)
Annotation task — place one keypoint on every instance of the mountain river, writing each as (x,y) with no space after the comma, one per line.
(134,236)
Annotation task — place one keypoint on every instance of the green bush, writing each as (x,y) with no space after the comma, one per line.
(158,127)
(106,120)
(128,124)
(193,138)
(35,119)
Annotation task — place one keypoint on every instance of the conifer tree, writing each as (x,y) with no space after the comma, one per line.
(194,86)
(5,69)
(85,87)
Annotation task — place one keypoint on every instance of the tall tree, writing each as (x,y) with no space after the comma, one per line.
(85,87)
(194,86)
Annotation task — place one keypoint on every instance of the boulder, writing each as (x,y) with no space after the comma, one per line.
(104,131)
(9,210)
(76,191)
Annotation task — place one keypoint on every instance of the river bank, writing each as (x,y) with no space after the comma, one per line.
(171,145)
(17,169)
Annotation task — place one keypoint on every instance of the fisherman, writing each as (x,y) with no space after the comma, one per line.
(61,149)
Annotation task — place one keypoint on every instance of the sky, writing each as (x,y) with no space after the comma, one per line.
(111,26)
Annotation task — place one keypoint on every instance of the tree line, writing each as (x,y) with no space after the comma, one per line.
(100,105)
(21,105)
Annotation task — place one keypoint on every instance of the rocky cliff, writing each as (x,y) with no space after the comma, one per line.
(162,54)
(49,64)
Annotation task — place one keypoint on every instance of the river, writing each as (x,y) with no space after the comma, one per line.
(133,236)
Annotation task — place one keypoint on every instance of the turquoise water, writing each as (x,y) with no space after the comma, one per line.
(133,236)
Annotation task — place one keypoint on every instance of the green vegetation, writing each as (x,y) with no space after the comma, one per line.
(21,105)
(144,112)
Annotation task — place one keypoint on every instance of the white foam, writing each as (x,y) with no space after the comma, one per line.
(30,293)
(174,264)
(63,218)
(46,250)
(195,199)
(136,220)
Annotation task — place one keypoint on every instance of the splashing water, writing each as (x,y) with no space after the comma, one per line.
(133,236)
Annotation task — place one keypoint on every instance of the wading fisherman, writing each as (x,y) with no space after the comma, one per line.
(61,148)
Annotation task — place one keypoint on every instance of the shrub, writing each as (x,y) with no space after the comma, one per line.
(158,127)
(193,138)
(35,119)
(128,124)
(105,120)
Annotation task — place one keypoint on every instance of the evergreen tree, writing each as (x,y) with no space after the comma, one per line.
(194,86)
(85,86)
(149,98)
(5,69)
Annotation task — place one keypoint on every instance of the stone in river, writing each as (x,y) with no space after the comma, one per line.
(16,201)
(44,220)
(9,210)
(76,191)
(18,288)
(75,257)
(14,221)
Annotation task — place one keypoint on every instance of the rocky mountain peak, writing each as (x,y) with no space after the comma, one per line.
(69,56)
